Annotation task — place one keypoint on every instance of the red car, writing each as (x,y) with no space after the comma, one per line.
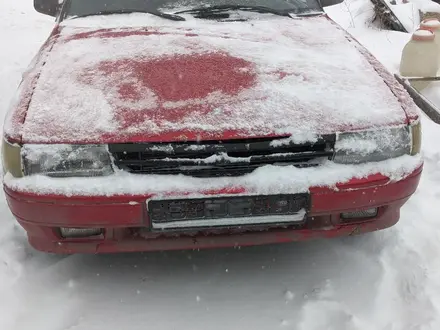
(162,125)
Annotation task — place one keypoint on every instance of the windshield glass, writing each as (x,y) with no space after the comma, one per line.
(90,7)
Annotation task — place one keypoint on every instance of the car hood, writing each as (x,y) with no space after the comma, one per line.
(204,80)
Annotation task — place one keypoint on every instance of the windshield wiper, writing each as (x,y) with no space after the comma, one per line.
(220,8)
(130,11)
(310,13)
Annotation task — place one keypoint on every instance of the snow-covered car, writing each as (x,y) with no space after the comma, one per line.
(170,124)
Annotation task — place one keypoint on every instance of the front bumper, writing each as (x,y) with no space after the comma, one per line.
(126,223)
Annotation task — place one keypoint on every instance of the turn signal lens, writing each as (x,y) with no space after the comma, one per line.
(416,136)
(11,159)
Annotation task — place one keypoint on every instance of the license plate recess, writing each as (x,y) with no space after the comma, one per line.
(227,211)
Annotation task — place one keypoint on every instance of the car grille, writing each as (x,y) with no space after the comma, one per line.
(219,158)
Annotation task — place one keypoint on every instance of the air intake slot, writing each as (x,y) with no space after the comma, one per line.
(219,158)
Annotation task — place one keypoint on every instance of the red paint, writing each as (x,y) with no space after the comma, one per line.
(183,135)
(109,33)
(123,32)
(282,75)
(19,112)
(172,79)
(40,214)
(123,242)
(26,89)
(198,75)
(395,87)
(201,75)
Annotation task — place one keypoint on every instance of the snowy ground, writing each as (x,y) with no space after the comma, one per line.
(388,280)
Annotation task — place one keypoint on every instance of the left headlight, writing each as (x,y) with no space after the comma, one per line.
(377,145)
(63,160)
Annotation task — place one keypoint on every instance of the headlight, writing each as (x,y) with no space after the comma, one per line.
(11,159)
(66,160)
(377,145)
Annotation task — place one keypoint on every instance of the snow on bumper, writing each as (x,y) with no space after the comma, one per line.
(42,205)
(264,180)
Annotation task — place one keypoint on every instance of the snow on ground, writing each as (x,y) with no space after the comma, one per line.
(388,280)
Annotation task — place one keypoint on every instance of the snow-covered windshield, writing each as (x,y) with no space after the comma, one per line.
(90,7)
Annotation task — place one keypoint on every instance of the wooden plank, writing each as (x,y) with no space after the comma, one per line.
(436,78)
(421,101)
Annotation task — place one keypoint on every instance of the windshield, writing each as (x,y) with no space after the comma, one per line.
(90,7)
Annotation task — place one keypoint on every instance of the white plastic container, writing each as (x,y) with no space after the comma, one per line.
(420,58)
(433,25)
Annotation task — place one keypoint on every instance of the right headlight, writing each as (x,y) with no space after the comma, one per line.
(64,160)
(377,145)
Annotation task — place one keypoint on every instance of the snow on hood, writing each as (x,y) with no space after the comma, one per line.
(201,79)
